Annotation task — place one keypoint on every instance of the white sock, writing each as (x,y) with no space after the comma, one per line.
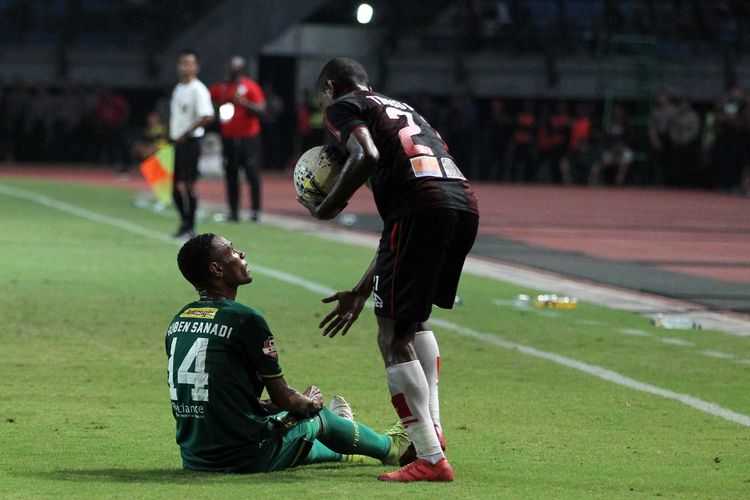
(410,398)
(428,353)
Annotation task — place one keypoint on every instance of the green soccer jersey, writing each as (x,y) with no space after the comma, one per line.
(219,354)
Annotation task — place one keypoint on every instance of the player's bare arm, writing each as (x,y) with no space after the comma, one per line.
(363,156)
(349,306)
(287,398)
(269,406)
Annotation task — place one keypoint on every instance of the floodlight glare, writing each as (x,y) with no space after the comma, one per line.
(364,13)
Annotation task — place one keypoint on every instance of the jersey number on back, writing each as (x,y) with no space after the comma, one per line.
(423,160)
(198,378)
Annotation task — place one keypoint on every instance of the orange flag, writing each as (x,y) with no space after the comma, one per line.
(157,169)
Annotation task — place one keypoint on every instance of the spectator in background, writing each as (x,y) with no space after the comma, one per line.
(68,120)
(301,127)
(190,111)
(112,113)
(523,166)
(684,130)
(576,164)
(544,145)
(39,125)
(658,133)
(559,126)
(617,156)
(272,123)
(730,147)
(498,131)
(241,103)
(708,146)
(316,136)
(154,135)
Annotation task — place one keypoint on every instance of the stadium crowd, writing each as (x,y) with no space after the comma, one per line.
(499,140)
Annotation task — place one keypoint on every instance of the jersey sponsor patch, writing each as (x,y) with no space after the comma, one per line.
(269,348)
(199,312)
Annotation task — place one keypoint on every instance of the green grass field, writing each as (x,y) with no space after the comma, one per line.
(84,407)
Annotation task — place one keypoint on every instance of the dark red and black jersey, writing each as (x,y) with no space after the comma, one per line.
(415,171)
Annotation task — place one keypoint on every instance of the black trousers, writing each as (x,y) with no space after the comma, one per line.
(243,153)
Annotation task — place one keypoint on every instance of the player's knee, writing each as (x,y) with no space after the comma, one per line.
(396,348)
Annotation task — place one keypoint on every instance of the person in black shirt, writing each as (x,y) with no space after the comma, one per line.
(430,219)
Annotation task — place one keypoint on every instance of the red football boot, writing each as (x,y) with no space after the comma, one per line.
(421,470)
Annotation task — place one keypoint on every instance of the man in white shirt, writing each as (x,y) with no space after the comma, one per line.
(190,111)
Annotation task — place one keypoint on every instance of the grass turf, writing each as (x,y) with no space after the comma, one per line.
(84,408)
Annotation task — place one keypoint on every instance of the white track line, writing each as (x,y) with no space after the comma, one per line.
(492,339)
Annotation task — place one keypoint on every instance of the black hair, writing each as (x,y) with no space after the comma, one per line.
(343,71)
(194,258)
(188,52)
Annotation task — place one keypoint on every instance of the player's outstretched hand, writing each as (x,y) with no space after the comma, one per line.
(345,313)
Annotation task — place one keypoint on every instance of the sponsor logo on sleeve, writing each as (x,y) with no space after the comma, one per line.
(199,312)
(269,348)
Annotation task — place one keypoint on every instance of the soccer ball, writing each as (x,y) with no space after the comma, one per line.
(316,172)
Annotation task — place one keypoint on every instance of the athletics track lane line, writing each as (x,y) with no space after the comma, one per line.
(488,338)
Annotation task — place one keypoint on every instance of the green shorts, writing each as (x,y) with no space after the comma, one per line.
(296,438)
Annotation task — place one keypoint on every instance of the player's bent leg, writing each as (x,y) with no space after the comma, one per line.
(352,438)
(426,348)
(409,389)
(428,353)
(321,453)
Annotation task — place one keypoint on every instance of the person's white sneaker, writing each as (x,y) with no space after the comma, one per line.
(341,407)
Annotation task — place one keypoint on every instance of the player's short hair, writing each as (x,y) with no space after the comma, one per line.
(194,258)
(188,52)
(343,71)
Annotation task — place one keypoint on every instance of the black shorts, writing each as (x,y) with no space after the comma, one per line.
(186,156)
(419,263)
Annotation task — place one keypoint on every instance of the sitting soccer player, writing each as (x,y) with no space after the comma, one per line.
(221,357)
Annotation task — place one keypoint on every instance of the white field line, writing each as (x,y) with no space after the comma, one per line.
(672,341)
(492,339)
(717,354)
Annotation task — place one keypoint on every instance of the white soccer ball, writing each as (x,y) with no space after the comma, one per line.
(316,172)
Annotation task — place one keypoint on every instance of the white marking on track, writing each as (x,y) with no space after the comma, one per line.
(492,339)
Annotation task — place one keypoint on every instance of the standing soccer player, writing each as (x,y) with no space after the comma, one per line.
(431,218)
(190,111)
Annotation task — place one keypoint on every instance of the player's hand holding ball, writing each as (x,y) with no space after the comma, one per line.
(315,174)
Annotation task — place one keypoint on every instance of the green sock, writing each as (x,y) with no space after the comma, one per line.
(321,453)
(345,436)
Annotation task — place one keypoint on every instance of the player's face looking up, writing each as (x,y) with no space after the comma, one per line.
(187,66)
(229,265)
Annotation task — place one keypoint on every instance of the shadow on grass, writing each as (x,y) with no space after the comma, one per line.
(177,476)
